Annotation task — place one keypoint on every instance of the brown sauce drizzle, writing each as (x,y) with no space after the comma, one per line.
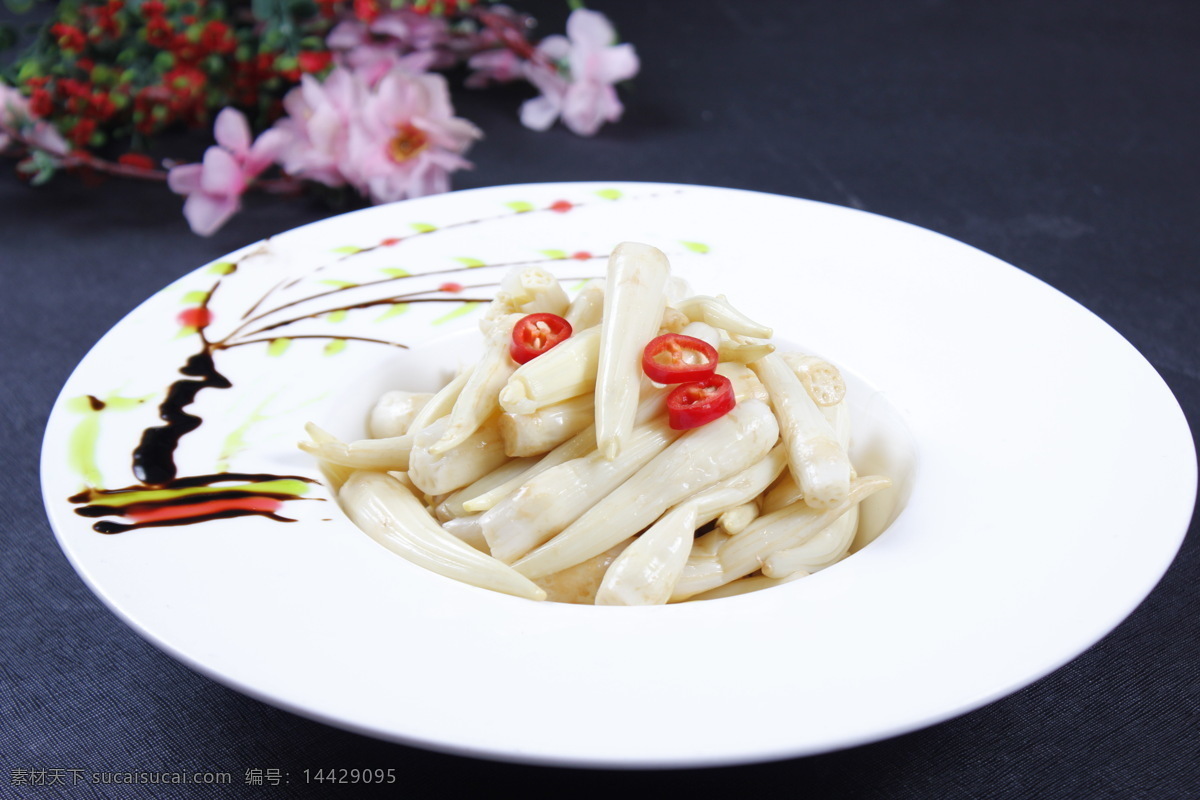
(154,457)
(110,527)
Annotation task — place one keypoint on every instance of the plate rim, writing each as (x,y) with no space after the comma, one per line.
(600,762)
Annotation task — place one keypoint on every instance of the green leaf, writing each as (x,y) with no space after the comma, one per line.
(80,405)
(396,272)
(335,347)
(461,311)
(223,268)
(557,254)
(348,250)
(520,206)
(470,262)
(278,347)
(18,6)
(339,284)
(336,316)
(43,176)
(394,310)
(115,403)
(41,165)
(89,404)
(696,247)
(609,194)
(423,227)
(30,69)
(194,298)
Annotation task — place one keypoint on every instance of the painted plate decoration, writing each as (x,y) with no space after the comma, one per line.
(1045,477)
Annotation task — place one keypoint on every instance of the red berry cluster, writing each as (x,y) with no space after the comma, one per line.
(108,71)
(190,49)
(84,104)
(118,72)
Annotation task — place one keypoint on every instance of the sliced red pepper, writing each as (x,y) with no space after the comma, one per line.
(690,405)
(675,358)
(535,334)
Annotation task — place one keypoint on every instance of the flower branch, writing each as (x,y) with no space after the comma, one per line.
(342,93)
(270,340)
(384,301)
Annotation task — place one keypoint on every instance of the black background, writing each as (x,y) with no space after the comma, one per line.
(1058,136)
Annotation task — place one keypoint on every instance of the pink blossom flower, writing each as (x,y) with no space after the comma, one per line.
(494,66)
(14,112)
(44,136)
(317,125)
(214,187)
(489,55)
(395,139)
(19,123)
(396,39)
(582,94)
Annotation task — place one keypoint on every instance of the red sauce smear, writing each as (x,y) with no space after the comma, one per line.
(250,505)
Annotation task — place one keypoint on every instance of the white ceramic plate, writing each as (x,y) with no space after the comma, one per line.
(1046,476)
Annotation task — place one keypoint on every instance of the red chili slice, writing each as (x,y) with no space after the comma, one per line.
(535,334)
(675,358)
(697,403)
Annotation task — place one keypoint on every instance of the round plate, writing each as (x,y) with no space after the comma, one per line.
(1054,480)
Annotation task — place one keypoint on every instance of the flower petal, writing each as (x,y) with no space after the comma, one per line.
(501,66)
(418,61)
(458,134)
(206,213)
(266,150)
(393,25)
(14,108)
(539,113)
(184,179)
(555,47)
(434,98)
(346,35)
(590,29)
(547,80)
(45,136)
(615,64)
(232,131)
(589,105)
(222,174)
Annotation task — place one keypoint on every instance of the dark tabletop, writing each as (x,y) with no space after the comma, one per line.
(1059,136)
